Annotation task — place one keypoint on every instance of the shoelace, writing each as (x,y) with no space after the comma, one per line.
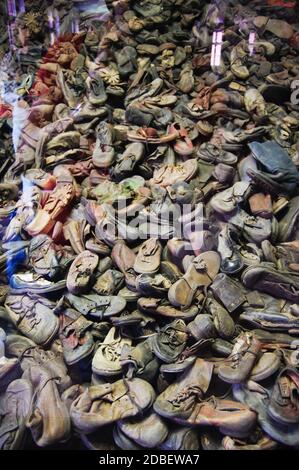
(110,352)
(193,391)
(30,316)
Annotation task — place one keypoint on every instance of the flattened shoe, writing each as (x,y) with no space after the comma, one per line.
(168,175)
(15,406)
(49,419)
(226,202)
(199,275)
(97,306)
(264,443)
(162,307)
(104,404)
(265,278)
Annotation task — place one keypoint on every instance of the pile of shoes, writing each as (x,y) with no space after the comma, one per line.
(149,226)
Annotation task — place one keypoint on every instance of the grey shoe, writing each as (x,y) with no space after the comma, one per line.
(258,397)
(15,406)
(149,431)
(33,316)
(170,342)
(9,367)
(97,306)
(181,439)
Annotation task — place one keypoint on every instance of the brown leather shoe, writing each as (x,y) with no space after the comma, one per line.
(243,358)
(104,404)
(229,416)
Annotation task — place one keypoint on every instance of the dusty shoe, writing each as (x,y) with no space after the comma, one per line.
(170,174)
(43,256)
(199,275)
(243,358)
(179,399)
(154,285)
(124,258)
(170,342)
(223,322)
(9,367)
(140,361)
(96,90)
(257,398)
(162,307)
(106,361)
(49,419)
(81,271)
(181,439)
(104,404)
(284,403)
(104,153)
(97,306)
(211,153)
(255,229)
(109,282)
(267,365)
(230,417)
(15,406)
(264,443)
(202,327)
(261,205)
(279,174)
(127,161)
(148,432)
(33,316)
(227,201)
(148,258)
(266,278)
(75,336)
(288,223)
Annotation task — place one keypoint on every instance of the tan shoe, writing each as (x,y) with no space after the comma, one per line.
(199,275)
(104,404)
